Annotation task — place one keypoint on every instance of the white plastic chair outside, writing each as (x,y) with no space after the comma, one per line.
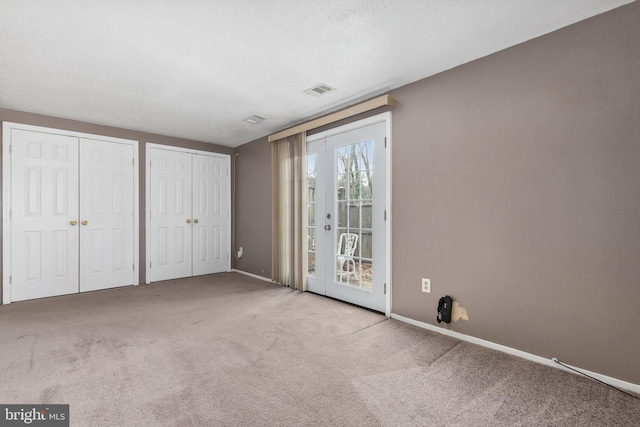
(347,245)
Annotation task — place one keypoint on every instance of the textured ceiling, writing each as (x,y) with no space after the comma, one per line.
(196,69)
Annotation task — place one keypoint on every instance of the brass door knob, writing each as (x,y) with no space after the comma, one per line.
(85,222)
(73,222)
(195,221)
(188,221)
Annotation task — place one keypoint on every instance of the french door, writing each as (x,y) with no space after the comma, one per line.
(188,213)
(71,205)
(346,202)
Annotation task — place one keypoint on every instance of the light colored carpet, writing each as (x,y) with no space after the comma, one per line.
(231,350)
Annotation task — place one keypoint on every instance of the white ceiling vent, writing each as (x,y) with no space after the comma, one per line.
(255,119)
(319,89)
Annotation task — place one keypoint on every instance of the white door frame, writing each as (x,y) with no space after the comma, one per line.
(7,127)
(383,117)
(151,145)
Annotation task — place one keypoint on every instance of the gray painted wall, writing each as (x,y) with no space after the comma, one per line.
(516,191)
(253,207)
(142,138)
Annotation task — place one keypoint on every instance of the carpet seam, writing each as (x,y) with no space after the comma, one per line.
(445,353)
(370,326)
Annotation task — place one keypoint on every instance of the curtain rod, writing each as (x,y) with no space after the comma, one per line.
(363,107)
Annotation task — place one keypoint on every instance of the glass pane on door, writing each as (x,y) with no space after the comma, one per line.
(311,214)
(354,207)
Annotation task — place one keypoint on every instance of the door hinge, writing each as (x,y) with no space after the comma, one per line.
(385,142)
(385,288)
(10,279)
(385,214)
(133,162)
(227,256)
(150,163)
(150,264)
(133,266)
(10,148)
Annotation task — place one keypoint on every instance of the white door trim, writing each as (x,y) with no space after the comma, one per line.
(7,127)
(383,117)
(148,147)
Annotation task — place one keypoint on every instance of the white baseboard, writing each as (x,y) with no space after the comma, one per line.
(635,388)
(255,276)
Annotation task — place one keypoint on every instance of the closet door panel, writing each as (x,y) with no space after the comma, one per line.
(44,214)
(210,213)
(170,218)
(106,215)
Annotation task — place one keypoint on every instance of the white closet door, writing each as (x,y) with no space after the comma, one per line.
(210,213)
(169,215)
(106,215)
(44,204)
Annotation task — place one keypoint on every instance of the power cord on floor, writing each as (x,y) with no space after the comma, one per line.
(589,376)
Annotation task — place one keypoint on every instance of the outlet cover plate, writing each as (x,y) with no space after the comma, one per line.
(426,285)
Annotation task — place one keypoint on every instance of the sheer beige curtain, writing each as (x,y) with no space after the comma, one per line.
(289,204)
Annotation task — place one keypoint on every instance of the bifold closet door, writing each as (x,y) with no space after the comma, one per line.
(72,214)
(188,214)
(169,215)
(44,215)
(106,215)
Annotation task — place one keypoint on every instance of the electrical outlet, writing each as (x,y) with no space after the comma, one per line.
(426,285)
(240,252)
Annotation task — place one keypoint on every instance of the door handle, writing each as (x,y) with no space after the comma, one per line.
(188,221)
(85,222)
(73,222)
(327,227)
(195,221)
